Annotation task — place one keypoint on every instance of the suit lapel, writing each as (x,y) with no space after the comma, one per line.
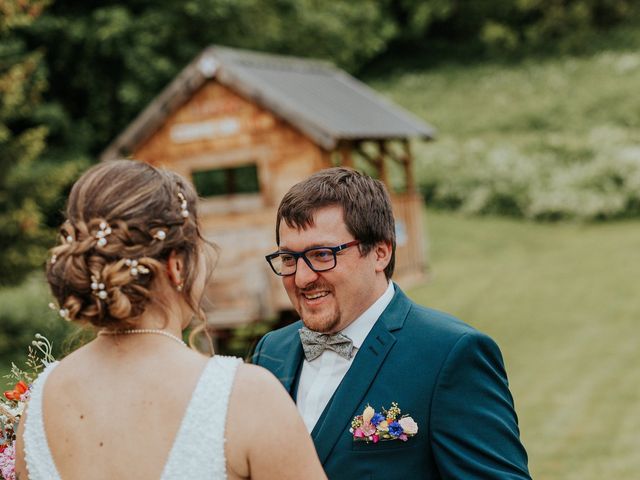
(350,393)
(290,367)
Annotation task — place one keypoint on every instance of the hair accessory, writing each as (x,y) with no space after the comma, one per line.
(101,234)
(98,288)
(136,268)
(183,205)
(63,312)
(160,235)
(69,238)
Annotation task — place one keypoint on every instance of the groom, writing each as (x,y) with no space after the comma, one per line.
(361,342)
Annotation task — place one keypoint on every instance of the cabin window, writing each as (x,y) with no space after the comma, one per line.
(227,181)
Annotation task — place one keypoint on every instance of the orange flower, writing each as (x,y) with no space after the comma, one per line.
(19,390)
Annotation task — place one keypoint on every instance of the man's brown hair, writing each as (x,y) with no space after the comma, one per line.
(365,203)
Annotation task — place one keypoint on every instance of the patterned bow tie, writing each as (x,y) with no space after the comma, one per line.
(314,343)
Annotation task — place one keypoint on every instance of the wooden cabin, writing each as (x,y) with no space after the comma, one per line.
(245,127)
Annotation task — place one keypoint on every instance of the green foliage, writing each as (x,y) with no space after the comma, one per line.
(543,139)
(24,311)
(508,26)
(29,184)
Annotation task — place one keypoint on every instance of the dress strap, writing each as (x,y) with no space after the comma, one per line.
(38,458)
(198,450)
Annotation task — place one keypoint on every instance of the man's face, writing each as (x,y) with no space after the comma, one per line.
(331,300)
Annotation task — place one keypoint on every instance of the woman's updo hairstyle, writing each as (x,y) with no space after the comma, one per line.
(124,218)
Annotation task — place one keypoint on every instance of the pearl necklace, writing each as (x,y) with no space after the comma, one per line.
(132,331)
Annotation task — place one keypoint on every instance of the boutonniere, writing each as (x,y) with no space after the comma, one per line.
(388,425)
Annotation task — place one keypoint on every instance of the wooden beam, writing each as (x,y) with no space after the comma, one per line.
(382,168)
(407,163)
(346,159)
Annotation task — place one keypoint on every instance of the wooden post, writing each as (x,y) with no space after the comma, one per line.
(380,163)
(346,160)
(407,162)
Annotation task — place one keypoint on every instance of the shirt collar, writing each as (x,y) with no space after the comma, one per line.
(358,330)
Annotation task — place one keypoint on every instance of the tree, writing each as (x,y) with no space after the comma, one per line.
(29,186)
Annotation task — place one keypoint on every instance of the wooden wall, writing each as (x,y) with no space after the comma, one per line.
(217,128)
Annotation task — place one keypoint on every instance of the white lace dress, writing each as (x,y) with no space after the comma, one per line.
(198,449)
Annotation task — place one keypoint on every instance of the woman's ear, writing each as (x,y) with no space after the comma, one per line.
(175,270)
(382,252)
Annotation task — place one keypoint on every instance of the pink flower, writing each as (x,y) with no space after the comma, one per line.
(409,426)
(359,433)
(403,437)
(8,463)
(368,429)
(375,438)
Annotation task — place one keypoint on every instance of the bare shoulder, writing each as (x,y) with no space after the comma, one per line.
(259,405)
(255,386)
(254,376)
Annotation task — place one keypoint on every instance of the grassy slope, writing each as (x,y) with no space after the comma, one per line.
(561,300)
(563,108)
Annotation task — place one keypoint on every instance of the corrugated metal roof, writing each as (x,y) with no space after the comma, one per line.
(320,100)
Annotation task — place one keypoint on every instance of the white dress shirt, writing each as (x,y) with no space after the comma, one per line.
(320,377)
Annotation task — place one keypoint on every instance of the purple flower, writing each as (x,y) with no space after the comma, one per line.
(377,418)
(395,429)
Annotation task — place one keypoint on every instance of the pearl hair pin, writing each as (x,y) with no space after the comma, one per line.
(101,234)
(183,205)
(98,288)
(160,235)
(134,331)
(63,312)
(136,268)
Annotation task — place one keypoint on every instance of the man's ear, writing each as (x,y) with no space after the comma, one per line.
(175,268)
(382,252)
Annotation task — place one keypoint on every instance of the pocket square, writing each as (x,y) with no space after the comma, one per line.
(383,426)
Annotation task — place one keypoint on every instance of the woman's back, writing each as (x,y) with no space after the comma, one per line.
(146,408)
(118,412)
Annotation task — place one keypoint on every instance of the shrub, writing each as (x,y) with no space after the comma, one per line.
(24,311)
(478,178)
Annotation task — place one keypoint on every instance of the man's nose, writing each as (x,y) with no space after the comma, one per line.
(304,275)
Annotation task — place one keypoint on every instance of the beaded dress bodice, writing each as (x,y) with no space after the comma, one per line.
(198,449)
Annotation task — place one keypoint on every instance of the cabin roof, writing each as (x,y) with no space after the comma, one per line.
(322,101)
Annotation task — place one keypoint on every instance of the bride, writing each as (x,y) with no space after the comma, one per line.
(136,402)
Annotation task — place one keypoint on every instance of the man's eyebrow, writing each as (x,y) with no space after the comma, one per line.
(283,248)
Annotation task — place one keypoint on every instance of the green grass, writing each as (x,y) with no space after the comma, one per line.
(540,138)
(562,302)
(551,104)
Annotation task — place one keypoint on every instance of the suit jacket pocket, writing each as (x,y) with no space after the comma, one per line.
(389,446)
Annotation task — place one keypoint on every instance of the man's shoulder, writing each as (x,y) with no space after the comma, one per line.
(428,323)
(431,333)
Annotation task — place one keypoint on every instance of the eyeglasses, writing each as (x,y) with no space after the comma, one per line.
(319,259)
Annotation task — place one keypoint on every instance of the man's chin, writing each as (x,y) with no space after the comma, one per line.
(320,323)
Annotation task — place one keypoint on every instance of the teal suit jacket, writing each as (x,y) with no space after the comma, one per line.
(446,375)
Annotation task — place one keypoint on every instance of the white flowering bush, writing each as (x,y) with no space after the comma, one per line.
(601,180)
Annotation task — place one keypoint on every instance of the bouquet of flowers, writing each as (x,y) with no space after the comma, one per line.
(13,402)
(383,426)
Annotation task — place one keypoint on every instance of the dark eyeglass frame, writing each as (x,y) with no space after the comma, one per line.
(303,254)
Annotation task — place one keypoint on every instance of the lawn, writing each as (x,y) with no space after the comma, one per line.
(541,138)
(562,302)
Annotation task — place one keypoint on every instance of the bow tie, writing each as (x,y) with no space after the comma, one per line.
(314,343)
